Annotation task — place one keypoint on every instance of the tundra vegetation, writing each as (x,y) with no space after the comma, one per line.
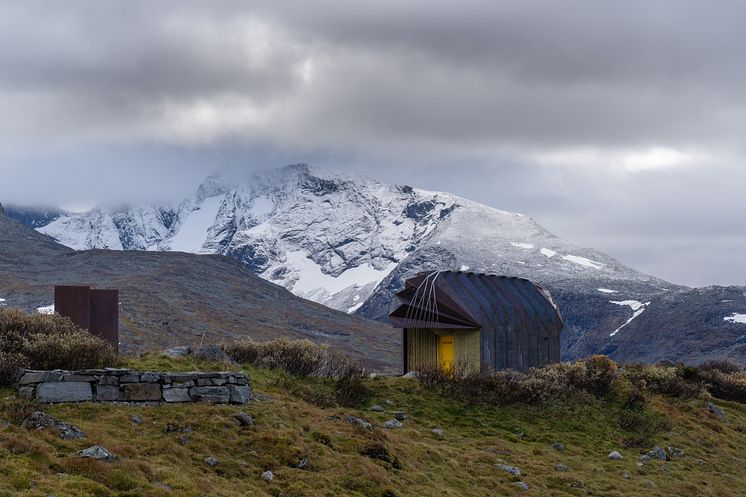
(316,428)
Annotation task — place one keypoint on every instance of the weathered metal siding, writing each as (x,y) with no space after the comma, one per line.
(467,348)
(105,315)
(422,348)
(520,324)
(73,302)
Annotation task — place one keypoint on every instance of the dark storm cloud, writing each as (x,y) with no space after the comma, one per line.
(615,124)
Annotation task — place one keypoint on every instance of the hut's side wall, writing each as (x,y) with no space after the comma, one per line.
(468,347)
(422,349)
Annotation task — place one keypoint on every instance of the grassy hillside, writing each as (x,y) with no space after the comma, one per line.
(165,454)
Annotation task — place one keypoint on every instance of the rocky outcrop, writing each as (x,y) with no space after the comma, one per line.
(125,385)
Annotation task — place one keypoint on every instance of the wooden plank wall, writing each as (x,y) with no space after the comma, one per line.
(467,348)
(422,347)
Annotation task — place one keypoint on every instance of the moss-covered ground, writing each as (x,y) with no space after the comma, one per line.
(165,453)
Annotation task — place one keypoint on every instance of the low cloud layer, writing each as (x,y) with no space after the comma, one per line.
(616,125)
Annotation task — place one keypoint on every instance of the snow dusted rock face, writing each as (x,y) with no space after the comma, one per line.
(330,238)
(349,242)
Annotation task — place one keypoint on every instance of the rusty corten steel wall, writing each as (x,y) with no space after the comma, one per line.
(105,315)
(94,310)
(74,302)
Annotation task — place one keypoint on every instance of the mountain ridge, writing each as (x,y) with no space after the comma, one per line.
(348,242)
(170,298)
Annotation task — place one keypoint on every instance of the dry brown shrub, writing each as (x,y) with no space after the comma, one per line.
(661,380)
(47,342)
(722,366)
(726,386)
(503,387)
(298,357)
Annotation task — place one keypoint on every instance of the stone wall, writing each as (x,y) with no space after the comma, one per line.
(126,385)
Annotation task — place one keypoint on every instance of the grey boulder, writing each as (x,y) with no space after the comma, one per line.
(98,452)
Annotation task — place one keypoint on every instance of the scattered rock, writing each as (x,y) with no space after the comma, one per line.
(625,475)
(644,458)
(211,353)
(358,422)
(399,415)
(268,476)
(412,375)
(303,464)
(176,352)
(392,424)
(184,439)
(509,469)
(244,419)
(41,420)
(715,411)
(558,447)
(522,485)
(438,432)
(388,402)
(376,408)
(212,461)
(98,452)
(615,456)
(561,468)
(658,453)
(675,453)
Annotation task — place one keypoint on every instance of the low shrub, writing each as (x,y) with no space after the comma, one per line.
(350,387)
(662,380)
(76,350)
(554,381)
(47,342)
(726,386)
(298,357)
(600,373)
(722,366)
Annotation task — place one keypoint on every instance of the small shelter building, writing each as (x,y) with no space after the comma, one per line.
(459,319)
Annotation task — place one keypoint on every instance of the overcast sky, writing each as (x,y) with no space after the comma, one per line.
(616,125)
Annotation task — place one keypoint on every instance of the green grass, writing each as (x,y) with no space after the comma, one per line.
(291,426)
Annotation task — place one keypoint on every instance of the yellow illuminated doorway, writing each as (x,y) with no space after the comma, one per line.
(446,352)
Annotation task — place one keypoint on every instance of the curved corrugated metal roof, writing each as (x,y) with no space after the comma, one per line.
(465,300)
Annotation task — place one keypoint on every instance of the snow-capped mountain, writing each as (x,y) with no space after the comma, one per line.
(332,237)
(349,242)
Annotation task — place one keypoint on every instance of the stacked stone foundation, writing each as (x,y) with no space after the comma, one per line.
(126,385)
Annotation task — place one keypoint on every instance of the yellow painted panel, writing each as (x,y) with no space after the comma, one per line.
(446,352)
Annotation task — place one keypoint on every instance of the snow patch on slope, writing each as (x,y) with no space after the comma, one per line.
(638,308)
(606,290)
(193,231)
(582,261)
(548,252)
(736,318)
(313,284)
(47,309)
(526,246)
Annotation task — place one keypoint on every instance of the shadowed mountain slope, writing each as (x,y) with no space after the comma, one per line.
(172,298)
